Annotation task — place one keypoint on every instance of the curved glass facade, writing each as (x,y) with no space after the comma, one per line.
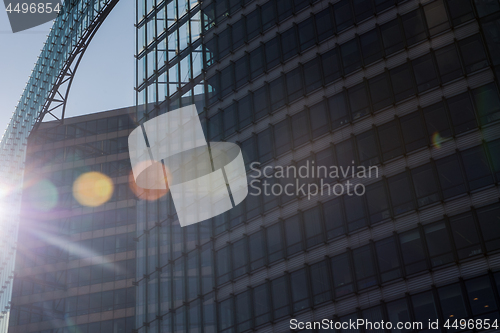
(408,87)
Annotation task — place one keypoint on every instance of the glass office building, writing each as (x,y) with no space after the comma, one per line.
(408,86)
(75,261)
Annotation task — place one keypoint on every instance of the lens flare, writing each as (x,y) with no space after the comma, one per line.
(154,169)
(92,189)
(436,140)
(42,195)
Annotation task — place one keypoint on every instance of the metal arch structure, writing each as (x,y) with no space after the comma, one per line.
(46,91)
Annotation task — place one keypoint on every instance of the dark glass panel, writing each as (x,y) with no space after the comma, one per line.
(282,137)
(226,79)
(452,302)
(390,140)
(402,82)
(324,160)
(277,93)
(414,27)
(289,44)
(388,259)
(392,36)
(465,235)
(438,124)
(366,143)
(343,14)
(480,293)
(378,205)
(313,226)
(473,54)
(243,310)
(260,102)
(424,308)
(272,52)
(330,65)
(223,265)
(380,91)
(414,132)
(306,34)
(265,149)
(341,272)
(413,251)
(426,186)
(239,258)
(448,63)
(281,301)
(355,212)
(293,234)
(285,8)
(488,221)
(460,11)
(319,119)
(300,295)
(351,56)
(224,42)
(274,242)
(339,111)
(358,100)
(320,283)
(312,75)
(257,250)
(226,316)
(364,267)
(238,34)
(261,304)
(425,73)
(230,116)
(253,24)
(401,193)
(450,176)
(487,103)
(494,154)
(462,113)
(436,17)
(344,152)
(492,38)
(256,58)
(438,244)
(362,9)
(371,46)
(249,151)
(294,85)
(324,24)
(268,15)
(241,71)
(245,112)
(476,167)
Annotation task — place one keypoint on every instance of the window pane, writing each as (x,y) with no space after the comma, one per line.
(294,84)
(398,312)
(380,91)
(300,128)
(256,245)
(330,65)
(414,27)
(230,120)
(351,57)
(241,72)
(448,63)
(239,257)
(462,113)
(339,112)
(473,54)
(243,311)
(413,251)
(320,282)
(268,15)
(306,34)
(355,212)
(425,73)
(272,52)
(452,302)
(476,167)
(465,236)
(488,220)
(435,15)
(223,266)
(402,82)
(390,140)
(364,267)
(487,103)
(345,154)
(324,24)
(300,295)
(289,44)
(437,123)
(388,259)
(313,227)
(282,137)
(265,149)
(261,306)
(260,102)
(319,119)
(481,297)
(367,148)
(450,176)
(253,24)
(426,188)
(358,100)
(342,279)
(280,293)
(293,234)
(371,46)
(413,130)
(343,14)
(256,62)
(392,36)
(334,219)
(460,11)
(277,93)
(245,113)
(312,75)
(274,243)
(424,307)
(376,198)
(438,244)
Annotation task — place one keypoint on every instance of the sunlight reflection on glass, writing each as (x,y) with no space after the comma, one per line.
(42,195)
(436,140)
(92,189)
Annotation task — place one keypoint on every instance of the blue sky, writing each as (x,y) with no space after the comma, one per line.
(105,77)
